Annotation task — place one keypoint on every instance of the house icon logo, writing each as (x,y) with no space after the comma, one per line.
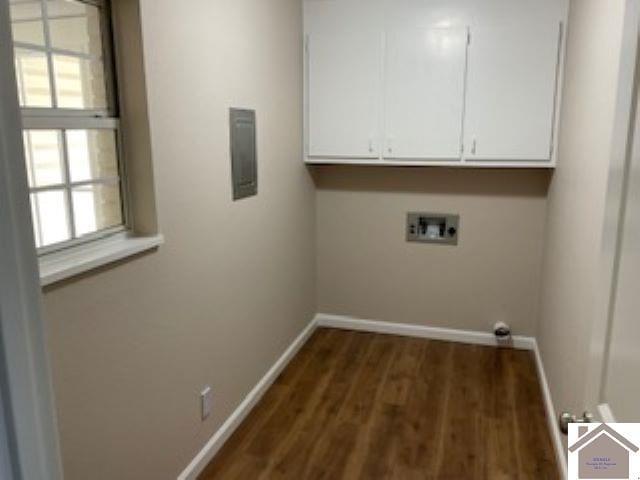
(603,452)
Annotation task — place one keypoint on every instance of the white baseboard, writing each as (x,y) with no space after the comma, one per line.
(207,453)
(557,437)
(349,323)
(420,331)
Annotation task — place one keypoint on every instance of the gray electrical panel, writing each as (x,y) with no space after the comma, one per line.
(433,228)
(244,167)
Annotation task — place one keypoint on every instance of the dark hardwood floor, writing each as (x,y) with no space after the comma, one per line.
(355,405)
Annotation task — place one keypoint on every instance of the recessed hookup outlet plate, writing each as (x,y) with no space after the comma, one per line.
(435,228)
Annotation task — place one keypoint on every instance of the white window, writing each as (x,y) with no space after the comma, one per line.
(71,138)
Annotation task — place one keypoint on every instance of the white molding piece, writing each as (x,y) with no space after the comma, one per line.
(207,453)
(550,165)
(420,331)
(58,266)
(557,437)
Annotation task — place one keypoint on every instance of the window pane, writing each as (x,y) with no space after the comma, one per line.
(50,213)
(92,154)
(26,22)
(96,207)
(32,73)
(75,26)
(79,82)
(65,8)
(43,153)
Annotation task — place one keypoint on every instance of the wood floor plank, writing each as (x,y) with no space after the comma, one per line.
(356,405)
(369,410)
(256,423)
(419,444)
(293,460)
(502,459)
(462,446)
(289,413)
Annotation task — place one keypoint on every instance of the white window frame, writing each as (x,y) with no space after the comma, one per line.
(54,118)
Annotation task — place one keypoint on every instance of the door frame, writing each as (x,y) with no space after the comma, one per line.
(28,421)
(615,203)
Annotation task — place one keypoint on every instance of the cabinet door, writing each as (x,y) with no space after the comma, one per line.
(512,73)
(344,94)
(424,93)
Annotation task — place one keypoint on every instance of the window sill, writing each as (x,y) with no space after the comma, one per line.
(65,264)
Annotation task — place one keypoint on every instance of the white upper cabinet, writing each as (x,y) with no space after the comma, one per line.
(511,87)
(424,93)
(344,81)
(418,82)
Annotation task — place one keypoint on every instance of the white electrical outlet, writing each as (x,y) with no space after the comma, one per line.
(206,402)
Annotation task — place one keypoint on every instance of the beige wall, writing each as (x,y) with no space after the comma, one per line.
(577,197)
(367,269)
(133,345)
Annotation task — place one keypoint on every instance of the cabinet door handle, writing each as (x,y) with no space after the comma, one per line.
(474,146)
(371,145)
(389,145)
